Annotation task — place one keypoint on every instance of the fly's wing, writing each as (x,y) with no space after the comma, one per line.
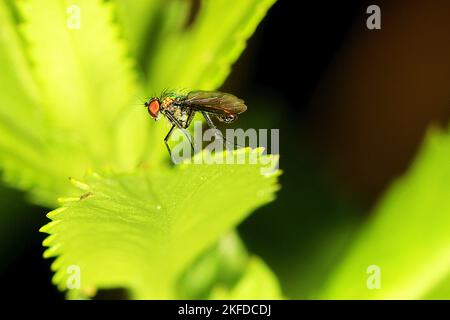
(215,102)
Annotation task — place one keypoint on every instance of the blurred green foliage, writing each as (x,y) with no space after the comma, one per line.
(407,236)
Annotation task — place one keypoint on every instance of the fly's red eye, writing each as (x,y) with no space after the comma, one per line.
(153,108)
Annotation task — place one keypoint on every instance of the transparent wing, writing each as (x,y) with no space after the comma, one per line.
(215,102)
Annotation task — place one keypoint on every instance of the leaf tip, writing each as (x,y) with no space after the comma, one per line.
(54,213)
(78,184)
(49,226)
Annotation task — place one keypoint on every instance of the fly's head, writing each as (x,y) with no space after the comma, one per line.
(154,108)
(166,103)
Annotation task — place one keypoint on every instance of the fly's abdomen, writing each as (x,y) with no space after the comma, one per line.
(227,118)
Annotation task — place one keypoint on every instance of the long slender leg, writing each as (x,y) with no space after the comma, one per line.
(217,132)
(187,124)
(179,126)
(166,139)
(208,120)
(189,119)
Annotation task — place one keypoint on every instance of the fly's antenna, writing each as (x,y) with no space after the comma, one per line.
(142,101)
(154,94)
(139,98)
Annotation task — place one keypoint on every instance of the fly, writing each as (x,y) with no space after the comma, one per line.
(180,110)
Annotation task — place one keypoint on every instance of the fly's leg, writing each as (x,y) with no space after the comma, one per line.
(189,119)
(217,132)
(208,120)
(166,139)
(179,126)
(187,124)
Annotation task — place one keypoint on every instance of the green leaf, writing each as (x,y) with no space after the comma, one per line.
(407,237)
(221,265)
(227,272)
(82,69)
(85,83)
(257,283)
(137,18)
(201,55)
(441,291)
(140,231)
(20,142)
(147,23)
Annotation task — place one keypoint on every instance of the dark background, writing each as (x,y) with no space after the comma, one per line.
(352,106)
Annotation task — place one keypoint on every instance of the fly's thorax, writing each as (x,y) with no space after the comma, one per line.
(172,106)
(168,104)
